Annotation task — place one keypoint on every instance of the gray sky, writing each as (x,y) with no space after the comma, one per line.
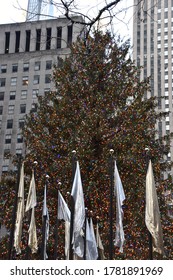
(10,12)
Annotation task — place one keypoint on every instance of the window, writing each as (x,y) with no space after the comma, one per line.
(12,95)
(33,108)
(36,79)
(22,108)
(3,68)
(14,68)
(35,93)
(4,168)
(47,78)
(13,81)
(11,109)
(19,138)
(48,38)
(25,67)
(59,37)
(17,44)
(21,123)
(8,139)
(69,34)
(2,82)
(48,64)
(7,153)
(27,45)
(1,96)
(1,110)
(7,41)
(37,65)
(18,151)
(25,80)
(38,39)
(9,123)
(23,94)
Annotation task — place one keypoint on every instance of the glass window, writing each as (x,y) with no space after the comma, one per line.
(48,64)
(47,78)
(37,65)
(25,67)
(12,95)
(11,109)
(3,68)
(35,93)
(21,123)
(2,82)
(25,81)
(19,138)
(14,68)
(13,81)
(23,94)
(1,96)
(9,123)
(36,79)
(22,108)
(1,110)
(7,138)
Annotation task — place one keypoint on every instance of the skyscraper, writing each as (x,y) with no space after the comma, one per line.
(39,9)
(153,49)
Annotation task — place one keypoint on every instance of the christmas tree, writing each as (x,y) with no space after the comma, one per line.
(98,105)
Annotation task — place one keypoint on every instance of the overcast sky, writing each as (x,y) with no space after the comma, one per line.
(11,12)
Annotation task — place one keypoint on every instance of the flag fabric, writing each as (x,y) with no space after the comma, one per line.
(120,197)
(79,213)
(91,245)
(64,214)
(20,212)
(31,199)
(45,215)
(99,244)
(30,205)
(152,213)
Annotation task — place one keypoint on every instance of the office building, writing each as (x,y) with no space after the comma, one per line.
(28,52)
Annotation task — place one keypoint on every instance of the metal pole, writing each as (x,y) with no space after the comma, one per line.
(56,232)
(111,207)
(85,237)
(72,204)
(10,251)
(43,247)
(150,243)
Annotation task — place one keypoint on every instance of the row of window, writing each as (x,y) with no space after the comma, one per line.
(25,80)
(37,67)
(24,93)
(8,138)
(22,109)
(47,40)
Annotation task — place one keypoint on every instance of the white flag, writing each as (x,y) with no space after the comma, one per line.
(20,213)
(91,252)
(63,210)
(31,204)
(120,197)
(99,244)
(45,216)
(152,213)
(32,242)
(31,199)
(64,214)
(79,212)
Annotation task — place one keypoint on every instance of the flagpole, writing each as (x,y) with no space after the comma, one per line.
(85,238)
(44,228)
(11,242)
(72,207)
(111,206)
(56,230)
(149,234)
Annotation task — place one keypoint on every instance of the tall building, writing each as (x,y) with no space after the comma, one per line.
(28,51)
(153,49)
(39,9)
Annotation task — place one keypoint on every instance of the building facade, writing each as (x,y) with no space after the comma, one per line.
(28,52)
(153,49)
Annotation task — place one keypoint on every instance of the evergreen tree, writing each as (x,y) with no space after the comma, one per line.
(99,104)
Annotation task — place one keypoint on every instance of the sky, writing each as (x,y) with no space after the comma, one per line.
(15,11)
